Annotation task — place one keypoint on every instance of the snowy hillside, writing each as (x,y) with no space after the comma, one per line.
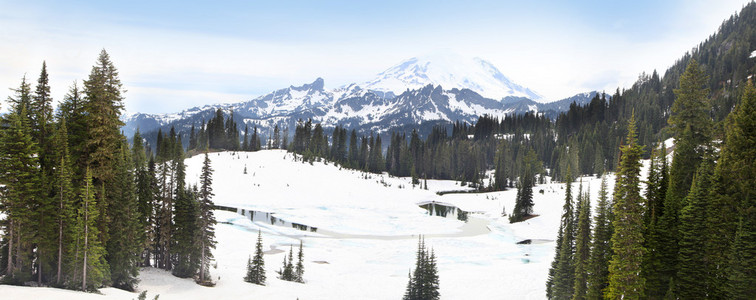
(449,70)
(365,235)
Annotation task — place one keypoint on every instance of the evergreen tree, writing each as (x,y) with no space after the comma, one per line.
(22,99)
(148,192)
(500,179)
(424,283)
(625,281)
(601,252)
(432,280)
(561,274)
(192,138)
(740,157)
(742,276)
(656,190)
(41,123)
(21,196)
(691,277)
(524,201)
(353,151)
(684,165)
(245,144)
(691,107)
(691,123)
(145,191)
(64,195)
(582,249)
(206,220)
(72,110)
(409,292)
(299,269)
(256,265)
(184,249)
(124,246)
(94,269)
(276,137)
(287,270)
(103,109)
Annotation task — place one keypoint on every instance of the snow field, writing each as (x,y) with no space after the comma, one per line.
(368,227)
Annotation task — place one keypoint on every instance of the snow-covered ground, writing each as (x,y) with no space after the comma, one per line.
(367,233)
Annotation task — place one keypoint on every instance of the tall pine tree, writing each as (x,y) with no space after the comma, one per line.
(89,258)
(64,195)
(740,152)
(691,124)
(561,274)
(625,281)
(691,276)
(601,252)
(206,220)
(22,194)
(582,249)
(256,265)
(124,246)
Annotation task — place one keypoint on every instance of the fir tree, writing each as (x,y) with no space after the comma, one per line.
(740,154)
(124,247)
(184,249)
(424,283)
(245,143)
(256,265)
(64,195)
(656,190)
(102,109)
(601,251)
(145,191)
(206,220)
(742,283)
(41,123)
(72,110)
(691,283)
(691,123)
(582,249)
(500,179)
(93,267)
(276,137)
(287,270)
(432,280)
(22,99)
(691,106)
(299,269)
(409,292)
(21,196)
(625,281)
(561,275)
(524,201)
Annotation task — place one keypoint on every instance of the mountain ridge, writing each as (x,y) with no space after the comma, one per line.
(352,107)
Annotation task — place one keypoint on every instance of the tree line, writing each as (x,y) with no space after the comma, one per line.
(82,208)
(691,235)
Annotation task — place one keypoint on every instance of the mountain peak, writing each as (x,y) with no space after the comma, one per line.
(449,70)
(317,85)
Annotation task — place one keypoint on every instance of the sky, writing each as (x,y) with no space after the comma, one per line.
(174,55)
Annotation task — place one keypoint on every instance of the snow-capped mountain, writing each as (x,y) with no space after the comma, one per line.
(440,87)
(351,107)
(449,70)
